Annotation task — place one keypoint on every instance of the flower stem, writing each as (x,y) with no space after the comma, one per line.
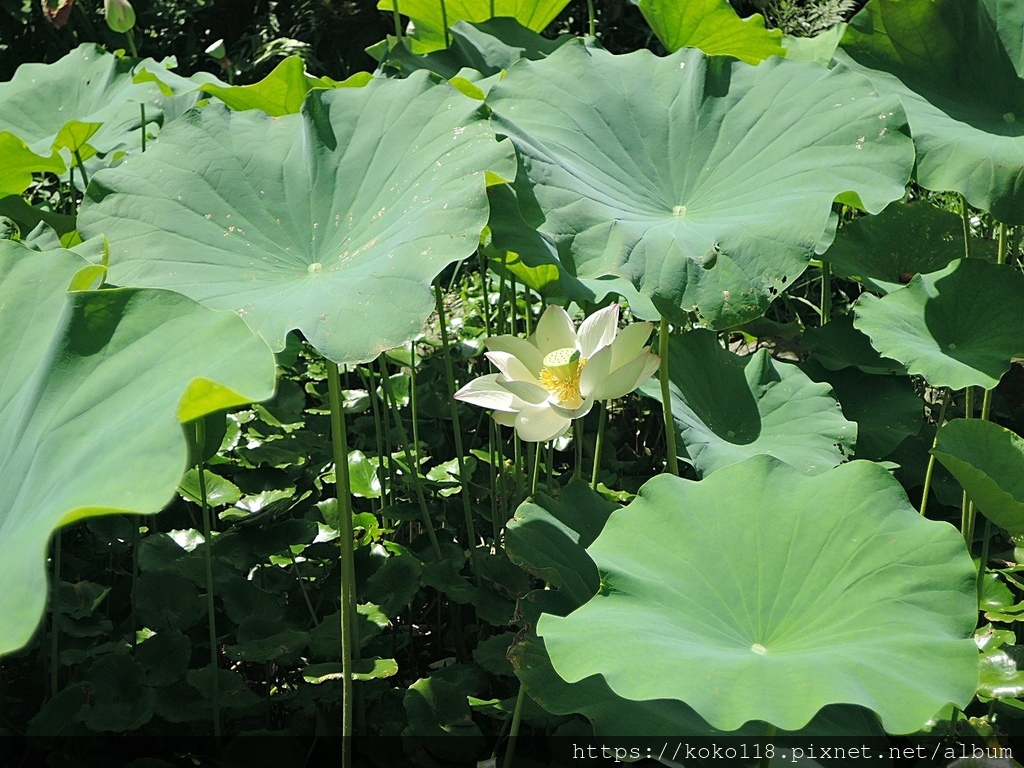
(602,420)
(671,459)
(414,475)
(591,19)
(200,442)
(826,291)
(513,734)
(965,220)
(460,456)
(343,489)
(398,21)
(931,457)
(577,439)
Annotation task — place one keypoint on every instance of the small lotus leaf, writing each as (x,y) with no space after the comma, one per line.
(988,461)
(710,187)
(953,64)
(885,251)
(939,329)
(728,408)
(712,26)
(430,18)
(96,386)
(771,594)
(333,221)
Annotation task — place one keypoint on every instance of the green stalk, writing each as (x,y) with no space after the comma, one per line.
(412,404)
(769,738)
(142,112)
(520,471)
(513,734)
(983,562)
(492,450)
(966,505)
(130,35)
(460,453)
(602,420)
(986,400)
(343,489)
(671,460)
(931,457)
(413,468)
(200,438)
(577,439)
(591,18)
(965,220)
(826,291)
(398,21)
(535,450)
(81,168)
(444,23)
(549,467)
(368,382)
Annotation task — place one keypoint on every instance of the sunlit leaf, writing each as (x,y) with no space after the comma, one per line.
(772,594)
(333,222)
(97,384)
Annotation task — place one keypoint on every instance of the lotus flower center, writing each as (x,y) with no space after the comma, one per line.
(561,376)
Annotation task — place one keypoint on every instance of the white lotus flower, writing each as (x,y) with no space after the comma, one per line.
(558,374)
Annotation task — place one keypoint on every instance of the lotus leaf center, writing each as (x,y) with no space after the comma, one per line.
(759,649)
(315,267)
(679,210)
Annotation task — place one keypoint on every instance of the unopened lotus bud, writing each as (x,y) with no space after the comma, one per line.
(120,15)
(217,50)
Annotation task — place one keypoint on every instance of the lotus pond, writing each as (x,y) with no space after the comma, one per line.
(519,395)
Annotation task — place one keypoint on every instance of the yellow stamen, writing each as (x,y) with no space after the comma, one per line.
(563,381)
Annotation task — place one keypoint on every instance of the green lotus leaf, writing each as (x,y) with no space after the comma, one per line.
(20,162)
(86,102)
(712,26)
(430,17)
(279,93)
(938,329)
(96,387)
(886,409)
(885,251)
(333,221)
(728,408)
(487,47)
(837,345)
(771,594)
(988,461)
(710,187)
(952,63)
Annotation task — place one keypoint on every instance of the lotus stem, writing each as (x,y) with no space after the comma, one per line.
(671,460)
(549,467)
(577,439)
(413,468)
(966,505)
(826,291)
(200,438)
(444,23)
(965,219)
(769,738)
(591,19)
(513,734)
(130,35)
(983,561)
(343,490)
(81,168)
(142,116)
(931,456)
(602,420)
(398,21)
(460,454)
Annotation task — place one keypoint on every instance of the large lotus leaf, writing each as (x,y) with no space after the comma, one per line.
(333,221)
(885,251)
(939,329)
(712,26)
(430,17)
(728,408)
(988,461)
(710,186)
(279,93)
(85,100)
(769,595)
(952,63)
(96,385)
